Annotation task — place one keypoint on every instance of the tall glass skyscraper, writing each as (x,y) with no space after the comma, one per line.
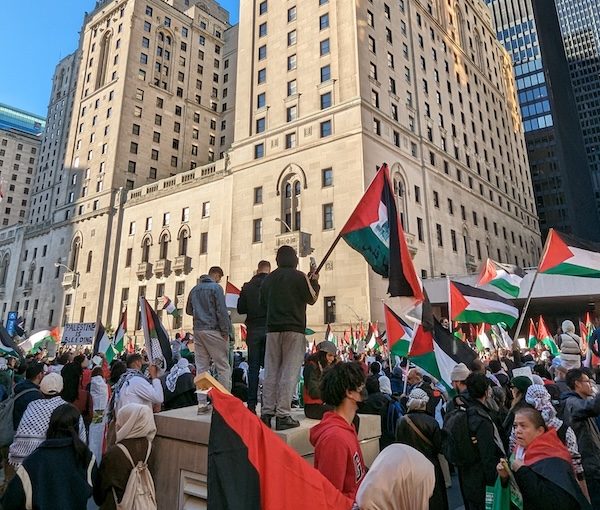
(555,142)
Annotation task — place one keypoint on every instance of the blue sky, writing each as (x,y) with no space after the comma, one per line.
(35,36)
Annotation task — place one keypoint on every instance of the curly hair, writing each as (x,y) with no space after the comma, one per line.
(338,380)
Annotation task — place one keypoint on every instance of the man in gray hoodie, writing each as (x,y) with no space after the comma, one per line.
(206,303)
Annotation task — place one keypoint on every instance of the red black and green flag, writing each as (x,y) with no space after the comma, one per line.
(567,255)
(251,468)
(398,333)
(156,337)
(374,230)
(469,304)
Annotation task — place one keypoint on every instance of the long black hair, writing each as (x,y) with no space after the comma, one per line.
(320,358)
(64,423)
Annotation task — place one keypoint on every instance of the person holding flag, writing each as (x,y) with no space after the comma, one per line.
(206,303)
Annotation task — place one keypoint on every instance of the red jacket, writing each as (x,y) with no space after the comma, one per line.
(337,453)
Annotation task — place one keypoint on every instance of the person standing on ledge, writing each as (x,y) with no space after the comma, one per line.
(256,322)
(206,303)
(285,294)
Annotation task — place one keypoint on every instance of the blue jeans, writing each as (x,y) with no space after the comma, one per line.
(256,341)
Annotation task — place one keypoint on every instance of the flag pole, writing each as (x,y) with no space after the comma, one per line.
(526,307)
(449,305)
(328,254)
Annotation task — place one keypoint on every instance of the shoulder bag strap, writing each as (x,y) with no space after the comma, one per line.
(126,452)
(148,453)
(417,431)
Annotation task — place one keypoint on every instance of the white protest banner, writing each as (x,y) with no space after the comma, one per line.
(79,334)
(523,371)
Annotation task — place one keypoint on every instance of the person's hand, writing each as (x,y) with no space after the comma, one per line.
(153,371)
(502,469)
(101,354)
(517,464)
(314,277)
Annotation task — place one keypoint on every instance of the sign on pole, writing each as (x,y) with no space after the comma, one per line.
(79,334)
(11,323)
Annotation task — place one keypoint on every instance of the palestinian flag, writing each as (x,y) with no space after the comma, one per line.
(566,255)
(483,341)
(309,332)
(7,344)
(119,338)
(545,337)
(103,344)
(532,339)
(156,337)
(169,307)
(346,337)
(39,341)
(398,333)
(469,304)
(232,295)
(269,474)
(505,277)
(437,352)
(329,334)
(374,230)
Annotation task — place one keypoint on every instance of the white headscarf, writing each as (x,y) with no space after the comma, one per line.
(401,478)
(182,367)
(135,421)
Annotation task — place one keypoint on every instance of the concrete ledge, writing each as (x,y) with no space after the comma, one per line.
(181,444)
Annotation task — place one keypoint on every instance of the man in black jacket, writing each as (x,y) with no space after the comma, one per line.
(485,436)
(285,294)
(256,323)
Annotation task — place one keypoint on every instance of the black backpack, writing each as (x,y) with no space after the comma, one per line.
(459,443)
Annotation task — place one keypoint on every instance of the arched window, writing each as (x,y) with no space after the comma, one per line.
(466,241)
(477,53)
(88,266)
(460,27)
(184,235)
(163,60)
(291,212)
(75,249)
(164,246)
(400,194)
(4,269)
(103,60)
(146,249)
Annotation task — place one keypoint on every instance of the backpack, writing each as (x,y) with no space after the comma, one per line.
(394,412)
(139,492)
(7,431)
(459,444)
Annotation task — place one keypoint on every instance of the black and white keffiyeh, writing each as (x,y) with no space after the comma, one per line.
(182,367)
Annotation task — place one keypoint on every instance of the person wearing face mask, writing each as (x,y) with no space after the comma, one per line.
(542,466)
(337,451)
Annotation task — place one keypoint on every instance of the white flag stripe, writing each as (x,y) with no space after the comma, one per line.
(584,258)
(483,305)
(513,279)
(445,363)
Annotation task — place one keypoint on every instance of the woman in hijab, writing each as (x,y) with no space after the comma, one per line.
(179,387)
(401,478)
(542,466)
(135,431)
(538,397)
(60,473)
(421,431)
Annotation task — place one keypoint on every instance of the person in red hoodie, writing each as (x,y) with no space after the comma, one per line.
(337,452)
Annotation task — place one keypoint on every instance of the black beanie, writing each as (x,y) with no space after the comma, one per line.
(286,257)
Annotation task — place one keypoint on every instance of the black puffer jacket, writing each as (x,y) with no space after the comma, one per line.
(285,293)
(249,302)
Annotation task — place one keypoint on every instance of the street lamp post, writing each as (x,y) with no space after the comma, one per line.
(289,229)
(75,285)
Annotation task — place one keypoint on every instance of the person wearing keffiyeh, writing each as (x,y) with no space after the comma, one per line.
(538,397)
(179,387)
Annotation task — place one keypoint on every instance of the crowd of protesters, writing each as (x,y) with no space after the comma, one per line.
(535,431)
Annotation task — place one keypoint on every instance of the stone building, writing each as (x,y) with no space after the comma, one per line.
(269,132)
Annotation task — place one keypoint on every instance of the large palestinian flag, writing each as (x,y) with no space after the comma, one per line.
(469,304)
(438,352)
(398,333)
(250,468)
(566,255)
(156,337)
(119,338)
(374,230)
(505,277)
